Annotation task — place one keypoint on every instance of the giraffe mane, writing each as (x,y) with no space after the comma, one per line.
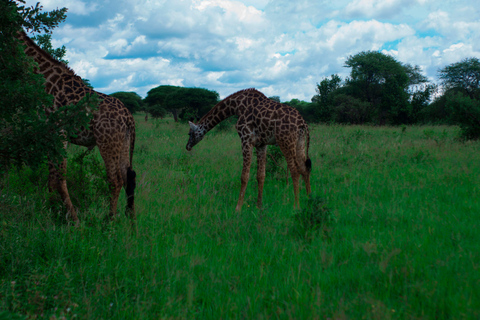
(243,91)
(24,37)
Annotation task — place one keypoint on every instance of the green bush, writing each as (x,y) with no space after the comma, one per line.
(276,165)
(315,216)
(466,113)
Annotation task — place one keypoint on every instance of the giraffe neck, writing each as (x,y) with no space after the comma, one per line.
(222,110)
(56,73)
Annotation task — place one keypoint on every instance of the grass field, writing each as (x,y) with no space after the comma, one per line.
(392,232)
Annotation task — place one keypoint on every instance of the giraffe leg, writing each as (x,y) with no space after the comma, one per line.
(247,160)
(261,159)
(111,157)
(304,164)
(290,157)
(295,178)
(57,181)
(115,180)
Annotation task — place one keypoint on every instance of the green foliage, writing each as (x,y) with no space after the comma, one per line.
(45,42)
(465,112)
(462,76)
(382,81)
(16,15)
(315,216)
(156,111)
(27,134)
(380,90)
(325,89)
(225,125)
(86,180)
(460,102)
(275,98)
(323,102)
(420,101)
(350,110)
(304,107)
(276,166)
(131,100)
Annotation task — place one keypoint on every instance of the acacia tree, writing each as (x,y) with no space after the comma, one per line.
(158,98)
(180,101)
(131,100)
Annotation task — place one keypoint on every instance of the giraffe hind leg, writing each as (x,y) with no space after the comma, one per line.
(261,160)
(289,153)
(304,164)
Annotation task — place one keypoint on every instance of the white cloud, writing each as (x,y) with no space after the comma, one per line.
(373,8)
(282,47)
(366,35)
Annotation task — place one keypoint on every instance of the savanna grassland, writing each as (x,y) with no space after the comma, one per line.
(391,232)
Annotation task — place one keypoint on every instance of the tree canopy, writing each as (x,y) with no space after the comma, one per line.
(188,102)
(131,100)
(462,76)
(379,90)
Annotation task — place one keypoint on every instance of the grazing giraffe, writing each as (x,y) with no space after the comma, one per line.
(112,129)
(261,122)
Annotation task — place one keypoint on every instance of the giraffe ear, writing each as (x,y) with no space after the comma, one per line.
(193,126)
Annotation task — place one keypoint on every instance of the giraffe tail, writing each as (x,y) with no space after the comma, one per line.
(308,162)
(131,175)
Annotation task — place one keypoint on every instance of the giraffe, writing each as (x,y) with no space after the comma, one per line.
(261,122)
(112,129)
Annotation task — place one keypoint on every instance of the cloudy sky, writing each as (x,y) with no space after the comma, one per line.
(281,47)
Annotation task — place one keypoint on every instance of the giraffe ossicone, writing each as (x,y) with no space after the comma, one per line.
(261,122)
(112,129)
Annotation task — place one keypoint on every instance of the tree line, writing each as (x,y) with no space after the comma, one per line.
(379,91)
(383,91)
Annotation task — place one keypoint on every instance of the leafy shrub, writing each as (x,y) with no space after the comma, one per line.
(315,216)
(87,179)
(276,165)
(466,113)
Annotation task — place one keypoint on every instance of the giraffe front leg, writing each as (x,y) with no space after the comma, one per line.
(57,182)
(247,160)
(296,179)
(261,159)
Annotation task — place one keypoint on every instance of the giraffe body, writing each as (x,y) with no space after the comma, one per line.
(112,129)
(261,122)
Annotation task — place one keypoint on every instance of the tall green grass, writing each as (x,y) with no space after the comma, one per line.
(391,232)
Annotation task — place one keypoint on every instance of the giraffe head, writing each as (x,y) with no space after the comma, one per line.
(196,133)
